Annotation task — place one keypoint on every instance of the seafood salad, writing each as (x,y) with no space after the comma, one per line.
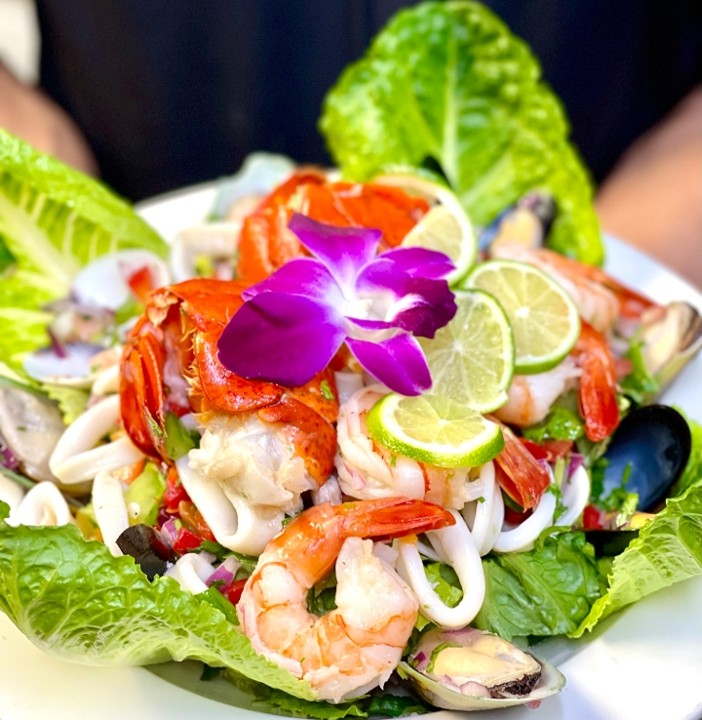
(363,437)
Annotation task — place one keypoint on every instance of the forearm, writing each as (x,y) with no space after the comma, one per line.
(653,197)
(32,116)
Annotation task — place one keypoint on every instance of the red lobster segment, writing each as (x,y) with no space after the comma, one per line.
(170,365)
(267,243)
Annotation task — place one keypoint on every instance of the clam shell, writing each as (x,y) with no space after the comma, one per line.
(552,681)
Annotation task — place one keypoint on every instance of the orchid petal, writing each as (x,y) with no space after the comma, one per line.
(371,324)
(427,306)
(382,275)
(281,338)
(344,251)
(303,276)
(420,305)
(417,261)
(397,362)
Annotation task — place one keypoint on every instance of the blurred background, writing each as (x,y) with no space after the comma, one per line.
(158,94)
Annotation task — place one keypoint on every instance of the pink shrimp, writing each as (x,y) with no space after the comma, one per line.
(601,299)
(367,470)
(356,646)
(602,302)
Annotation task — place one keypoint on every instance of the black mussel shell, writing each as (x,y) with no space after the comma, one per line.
(609,543)
(649,449)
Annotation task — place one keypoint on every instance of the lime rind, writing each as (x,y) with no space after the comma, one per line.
(446,222)
(435,430)
(543,316)
(471,359)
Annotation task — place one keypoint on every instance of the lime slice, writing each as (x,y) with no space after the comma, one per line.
(543,317)
(435,430)
(445,228)
(471,359)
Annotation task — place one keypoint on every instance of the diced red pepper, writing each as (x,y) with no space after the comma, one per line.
(175,493)
(234,591)
(185,541)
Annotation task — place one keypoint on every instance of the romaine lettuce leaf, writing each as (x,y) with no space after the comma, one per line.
(21,331)
(693,469)
(447,84)
(72,599)
(543,592)
(668,550)
(53,221)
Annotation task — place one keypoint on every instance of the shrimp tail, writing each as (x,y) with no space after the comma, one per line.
(597,392)
(388,518)
(520,474)
(311,542)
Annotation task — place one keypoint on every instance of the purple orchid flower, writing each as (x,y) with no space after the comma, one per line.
(292,324)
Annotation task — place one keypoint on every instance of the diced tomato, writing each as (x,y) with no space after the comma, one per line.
(538,451)
(550,450)
(192,517)
(185,541)
(234,591)
(593,518)
(513,517)
(175,493)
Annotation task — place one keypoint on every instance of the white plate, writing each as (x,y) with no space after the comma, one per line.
(645,663)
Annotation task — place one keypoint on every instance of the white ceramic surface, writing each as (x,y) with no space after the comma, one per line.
(645,663)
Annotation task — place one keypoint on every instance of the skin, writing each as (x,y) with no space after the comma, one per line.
(652,199)
(31,115)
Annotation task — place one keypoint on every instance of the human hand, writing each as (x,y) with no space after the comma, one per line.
(29,114)
(653,197)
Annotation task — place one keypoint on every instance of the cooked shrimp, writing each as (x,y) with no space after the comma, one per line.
(532,396)
(356,646)
(596,303)
(367,470)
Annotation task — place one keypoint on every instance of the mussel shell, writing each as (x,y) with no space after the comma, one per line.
(552,681)
(609,543)
(650,448)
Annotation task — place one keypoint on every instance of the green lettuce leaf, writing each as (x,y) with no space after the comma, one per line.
(21,331)
(272,700)
(693,469)
(72,599)
(446,85)
(543,592)
(53,221)
(72,402)
(668,550)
